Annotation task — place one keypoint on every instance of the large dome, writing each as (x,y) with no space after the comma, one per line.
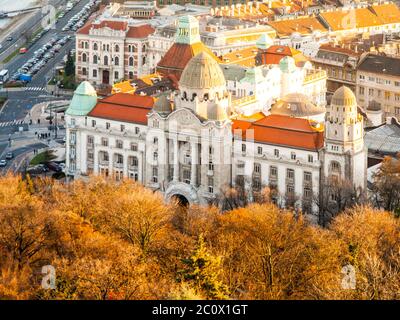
(202,72)
(83,101)
(297,105)
(344,97)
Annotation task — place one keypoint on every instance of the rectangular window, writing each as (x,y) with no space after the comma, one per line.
(122,128)
(137,130)
(243,147)
(273,171)
(290,190)
(186,176)
(93,123)
(307,176)
(259,150)
(119,144)
(307,193)
(94,73)
(108,125)
(210,184)
(104,142)
(290,173)
(310,158)
(133,146)
(276,153)
(210,166)
(155,174)
(292,156)
(256,184)
(257,168)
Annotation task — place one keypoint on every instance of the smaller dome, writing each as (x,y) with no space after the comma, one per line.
(344,97)
(296,105)
(163,105)
(216,113)
(287,64)
(202,72)
(83,101)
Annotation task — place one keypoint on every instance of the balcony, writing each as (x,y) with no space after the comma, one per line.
(118,165)
(104,162)
(133,167)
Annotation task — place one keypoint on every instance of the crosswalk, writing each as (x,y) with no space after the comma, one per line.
(35,88)
(11,123)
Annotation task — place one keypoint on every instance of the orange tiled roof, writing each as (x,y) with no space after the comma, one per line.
(140,31)
(387,13)
(275,53)
(350,19)
(124,107)
(284,131)
(304,25)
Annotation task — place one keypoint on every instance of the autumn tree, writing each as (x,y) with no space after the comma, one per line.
(202,270)
(386,186)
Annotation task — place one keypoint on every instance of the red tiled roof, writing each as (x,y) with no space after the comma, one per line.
(178,56)
(284,131)
(139,31)
(275,53)
(124,107)
(115,25)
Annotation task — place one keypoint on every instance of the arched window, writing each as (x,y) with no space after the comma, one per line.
(134,161)
(95,59)
(129,48)
(130,61)
(84,57)
(130,75)
(95,46)
(106,60)
(184,95)
(194,95)
(116,48)
(144,48)
(116,61)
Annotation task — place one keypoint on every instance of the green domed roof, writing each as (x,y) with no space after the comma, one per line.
(83,101)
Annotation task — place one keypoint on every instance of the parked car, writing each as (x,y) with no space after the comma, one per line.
(9,155)
(23,50)
(54,166)
(9,38)
(3,163)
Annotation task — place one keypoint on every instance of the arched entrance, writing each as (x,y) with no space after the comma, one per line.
(180,200)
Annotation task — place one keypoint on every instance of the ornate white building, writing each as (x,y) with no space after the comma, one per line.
(192,145)
(109,50)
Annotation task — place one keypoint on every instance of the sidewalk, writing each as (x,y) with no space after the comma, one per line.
(39,112)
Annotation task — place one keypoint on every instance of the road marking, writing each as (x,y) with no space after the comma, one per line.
(35,89)
(11,123)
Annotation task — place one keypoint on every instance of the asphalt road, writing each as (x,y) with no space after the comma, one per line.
(17,34)
(40,78)
(19,155)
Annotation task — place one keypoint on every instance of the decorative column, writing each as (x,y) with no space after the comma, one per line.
(176,160)
(193,172)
